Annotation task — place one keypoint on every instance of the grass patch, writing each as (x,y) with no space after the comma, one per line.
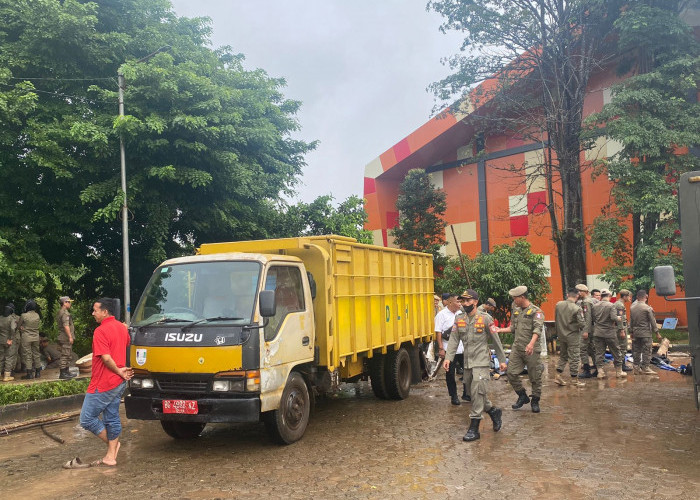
(675,336)
(10,394)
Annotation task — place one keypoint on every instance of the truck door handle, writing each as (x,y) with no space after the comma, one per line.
(305,341)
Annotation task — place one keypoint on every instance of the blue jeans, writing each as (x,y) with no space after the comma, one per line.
(106,403)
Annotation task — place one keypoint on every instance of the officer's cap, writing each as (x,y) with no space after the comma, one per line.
(581,288)
(605,292)
(491,302)
(518,291)
(63,299)
(469,294)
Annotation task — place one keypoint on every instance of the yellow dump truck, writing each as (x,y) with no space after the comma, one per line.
(250,331)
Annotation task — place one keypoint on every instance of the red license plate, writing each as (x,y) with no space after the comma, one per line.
(182,406)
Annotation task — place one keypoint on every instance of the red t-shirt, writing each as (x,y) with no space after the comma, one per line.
(112,338)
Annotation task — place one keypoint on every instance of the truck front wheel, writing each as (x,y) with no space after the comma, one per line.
(182,430)
(398,374)
(288,424)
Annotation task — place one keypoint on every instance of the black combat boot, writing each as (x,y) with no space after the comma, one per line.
(626,368)
(37,373)
(466,396)
(586,373)
(29,375)
(535,404)
(64,374)
(455,400)
(495,414)
(522,399)
(594,371)
(473,432)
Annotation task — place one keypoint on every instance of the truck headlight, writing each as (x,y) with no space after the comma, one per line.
(227,385)
(220,385)
(142,383)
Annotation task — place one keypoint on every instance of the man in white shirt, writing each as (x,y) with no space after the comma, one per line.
(444,320)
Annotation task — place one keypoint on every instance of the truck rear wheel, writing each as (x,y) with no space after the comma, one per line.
(398,374)
(377,376)
(182,430)
(288,423)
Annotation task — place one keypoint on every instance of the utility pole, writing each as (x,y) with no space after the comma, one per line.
(125,209)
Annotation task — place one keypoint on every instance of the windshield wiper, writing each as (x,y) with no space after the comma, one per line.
(208,320)
(164,320)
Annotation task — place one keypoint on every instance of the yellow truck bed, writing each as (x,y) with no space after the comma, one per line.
(369,298)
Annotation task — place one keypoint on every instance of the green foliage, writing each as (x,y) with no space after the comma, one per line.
(321,217)
(208,144)
(539,55)
(16,393)
(421,216)
(494,274)
(675,336)
(653,118)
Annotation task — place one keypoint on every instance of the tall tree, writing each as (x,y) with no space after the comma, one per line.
(320,217)
(421,209)
(208,145)
(655,116)
(540,55)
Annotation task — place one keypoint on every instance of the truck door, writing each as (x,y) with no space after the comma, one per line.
(289,335)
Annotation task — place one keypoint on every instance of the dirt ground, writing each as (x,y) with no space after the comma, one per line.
(610,439)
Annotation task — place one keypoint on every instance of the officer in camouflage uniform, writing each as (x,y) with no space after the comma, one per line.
(473,329)
(587,345)
(526,322)
(29,323)
(569,322)
(66,336)
(608,327)
(643,324)
(625,297)
(8,348)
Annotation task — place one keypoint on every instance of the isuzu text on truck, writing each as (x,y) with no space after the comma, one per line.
(250,331)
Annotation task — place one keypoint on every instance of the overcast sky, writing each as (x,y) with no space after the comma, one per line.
(360,68)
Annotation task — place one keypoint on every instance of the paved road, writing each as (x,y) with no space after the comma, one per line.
(608,440)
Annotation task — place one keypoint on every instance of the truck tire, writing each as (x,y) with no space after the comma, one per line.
(398,374)
(288,424)
(377,376)
(182,430)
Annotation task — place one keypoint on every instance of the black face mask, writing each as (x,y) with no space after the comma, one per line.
(469,308)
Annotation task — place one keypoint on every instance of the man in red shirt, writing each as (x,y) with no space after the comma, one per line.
(109,376)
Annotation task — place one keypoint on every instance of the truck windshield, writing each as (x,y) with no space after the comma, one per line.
(201,292)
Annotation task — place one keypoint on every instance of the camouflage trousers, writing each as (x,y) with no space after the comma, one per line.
(477,381)
(517,362)
(641,352)
(611,343)
(587,348)
(31,356)
(66,353)
(569,351)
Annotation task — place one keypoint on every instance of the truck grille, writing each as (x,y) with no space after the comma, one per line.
(173,385)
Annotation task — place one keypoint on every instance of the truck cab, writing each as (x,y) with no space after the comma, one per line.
(197,334)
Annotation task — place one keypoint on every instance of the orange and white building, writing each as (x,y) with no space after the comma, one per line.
(487,204)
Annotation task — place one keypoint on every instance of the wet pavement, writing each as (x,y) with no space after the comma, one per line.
(610,439)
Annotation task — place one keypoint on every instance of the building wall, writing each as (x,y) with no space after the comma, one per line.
(516,207)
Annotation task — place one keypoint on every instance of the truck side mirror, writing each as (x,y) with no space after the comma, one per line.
(664,281)
(268,306)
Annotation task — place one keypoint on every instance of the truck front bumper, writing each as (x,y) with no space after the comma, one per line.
(238,410)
